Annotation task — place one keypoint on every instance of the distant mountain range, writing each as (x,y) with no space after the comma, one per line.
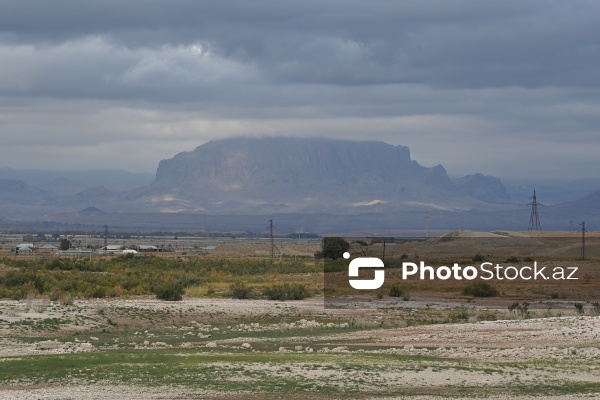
(344,182)
(65,183)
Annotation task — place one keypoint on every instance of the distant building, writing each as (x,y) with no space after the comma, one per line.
(48,248)
(77,251)
(24,248)
(111,249)
(145,249)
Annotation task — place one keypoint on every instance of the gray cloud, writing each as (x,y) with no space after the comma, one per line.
(469,84)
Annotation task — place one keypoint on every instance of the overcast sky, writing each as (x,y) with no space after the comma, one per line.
(507,88)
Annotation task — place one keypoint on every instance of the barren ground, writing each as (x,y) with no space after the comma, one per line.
(234,349)
(434,344)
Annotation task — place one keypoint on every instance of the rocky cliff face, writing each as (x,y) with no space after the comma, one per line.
(483,187)
(300,175)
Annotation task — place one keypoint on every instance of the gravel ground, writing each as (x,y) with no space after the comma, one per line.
(567,340)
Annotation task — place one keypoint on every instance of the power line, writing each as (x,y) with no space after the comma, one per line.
(105,238)
(534,218)
(583,240)
(271,237)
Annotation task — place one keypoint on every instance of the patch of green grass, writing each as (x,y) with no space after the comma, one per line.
(346,375)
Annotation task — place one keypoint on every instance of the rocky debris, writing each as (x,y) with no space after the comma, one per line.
(67,347)
(284,326)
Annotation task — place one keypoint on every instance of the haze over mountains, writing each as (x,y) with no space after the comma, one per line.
(244,177)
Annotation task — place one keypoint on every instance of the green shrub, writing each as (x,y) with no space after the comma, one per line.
(478,257)
(512,260)
(286,291)
(579,308)
(54,295)
(396,291)
(521,309)
(98,292)
(458,314)
(171,291)
(239,290)
(66,299)
(480,289)
(334,247)
(486,316)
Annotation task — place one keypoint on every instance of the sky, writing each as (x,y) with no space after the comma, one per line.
(508,88)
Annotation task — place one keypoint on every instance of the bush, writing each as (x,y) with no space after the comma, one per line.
(512,260)
(286,291)
(66,299)
(478,257)
(480,289)
(54,295)
(171,291)
(579,308)
(458,314)
(521,309)
(239,290)
(396,291)
(334,247)
(97,292)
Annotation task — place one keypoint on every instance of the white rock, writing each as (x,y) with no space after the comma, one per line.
(49,345)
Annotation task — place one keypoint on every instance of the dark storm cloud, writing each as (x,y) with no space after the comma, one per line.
(448,44)
(436,75)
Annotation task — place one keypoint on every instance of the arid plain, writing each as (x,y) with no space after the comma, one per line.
(432,341)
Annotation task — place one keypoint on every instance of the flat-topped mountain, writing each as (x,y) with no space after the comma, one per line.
(250,175)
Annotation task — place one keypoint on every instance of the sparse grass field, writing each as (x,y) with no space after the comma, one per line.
(430,342)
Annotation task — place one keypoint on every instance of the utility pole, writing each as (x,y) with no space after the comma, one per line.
(105,238)
(583,240)
(271,237)
(534,218)
(427,217)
